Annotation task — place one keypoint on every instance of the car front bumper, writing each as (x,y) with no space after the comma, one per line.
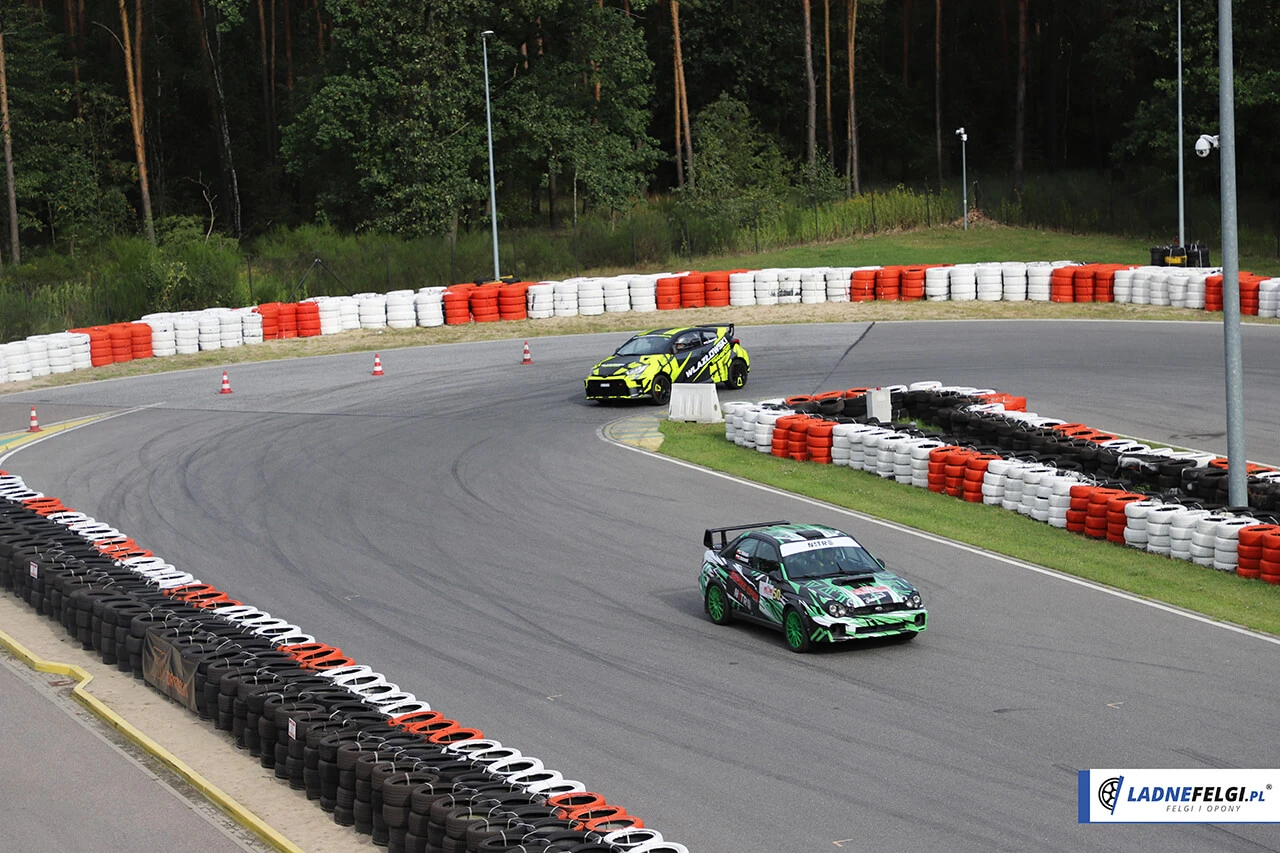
(615,388)
(838,629)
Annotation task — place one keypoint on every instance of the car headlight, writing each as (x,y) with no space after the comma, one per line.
(836,609)
(915,602)
(637,371)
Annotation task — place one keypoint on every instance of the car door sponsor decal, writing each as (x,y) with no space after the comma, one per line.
(695,369)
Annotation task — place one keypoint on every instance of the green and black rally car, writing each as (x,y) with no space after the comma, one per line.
(814,582)
(651,362)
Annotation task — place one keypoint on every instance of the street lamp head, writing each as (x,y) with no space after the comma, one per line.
(964,137)
(1205,144)
(486,33)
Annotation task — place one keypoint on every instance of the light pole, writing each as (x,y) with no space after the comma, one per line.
(1237,482)
(964,175)
(1182,213)
(493,191)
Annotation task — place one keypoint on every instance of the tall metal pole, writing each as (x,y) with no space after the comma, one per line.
(493,191)
(1182,213)
(1237,482)
(964,175)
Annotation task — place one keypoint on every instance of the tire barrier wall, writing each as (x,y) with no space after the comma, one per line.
(989,449)
(188,332)
(372,756)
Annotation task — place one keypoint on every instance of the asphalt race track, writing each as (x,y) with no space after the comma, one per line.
(459,525)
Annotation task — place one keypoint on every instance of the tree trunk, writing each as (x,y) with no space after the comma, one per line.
(826,71)
(133,82)
(218,107)
(679,123)
(1020,107)
(268,118)
(319,30)
(288,47)
(852,185)
(553,198)
(811,90)
(682,93)
(15,251)
(906,43)
(937,82)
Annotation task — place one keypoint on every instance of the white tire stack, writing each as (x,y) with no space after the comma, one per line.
(1122,286)
(60,352)
(838,281)
(887,455)
(209,330)
(17,361)
(373,310)
(1159,524)
(81,359)
(920,462)
(813,287)
(1012,497)
(251,326)
(617,295)
(789,285)
(1226,541)
(903,473)
(349,312)
(541,300)
(401,311)
(766,284)
(742,289)
(1140,293)
(989,282)
(1039,274)
(1203,538)
(230,329)
(857,434)
(732,411)
(163,341)
(1269,297)
(1178,289)
(1135,522)
(765,424)
(565,298)
(1158,285)
(330,315)
(186,333)
(1014,281)
(1195,287)
(1059,497)
(750,421)
(1182,526)
(38,351)
(643,292)
(591,297)
(1031,478)
(964,283)
(428,304)
(937,284)
(993,482)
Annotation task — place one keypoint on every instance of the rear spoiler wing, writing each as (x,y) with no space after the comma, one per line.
(708,537)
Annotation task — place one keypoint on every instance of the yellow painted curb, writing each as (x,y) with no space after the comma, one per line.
(17,439)
(213,793)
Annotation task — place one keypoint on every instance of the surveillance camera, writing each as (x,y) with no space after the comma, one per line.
(1205,144)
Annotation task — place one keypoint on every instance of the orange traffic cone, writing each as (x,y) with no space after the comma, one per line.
(528,359)
(377,365)
(35,424)
(226,384)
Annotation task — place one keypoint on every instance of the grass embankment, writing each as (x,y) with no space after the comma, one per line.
(1250,603)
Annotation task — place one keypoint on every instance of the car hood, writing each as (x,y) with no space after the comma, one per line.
(614,365)
(862,590)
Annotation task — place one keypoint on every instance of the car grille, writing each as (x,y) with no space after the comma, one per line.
(877,609)
(608,388)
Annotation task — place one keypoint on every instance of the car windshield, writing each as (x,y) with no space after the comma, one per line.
(830,562)
(645,345)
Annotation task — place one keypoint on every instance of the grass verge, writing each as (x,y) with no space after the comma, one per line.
(1223,596)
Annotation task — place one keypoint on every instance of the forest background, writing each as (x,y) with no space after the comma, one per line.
(174,155)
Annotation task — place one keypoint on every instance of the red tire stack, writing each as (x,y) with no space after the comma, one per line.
(140,340)
(1104,282)
(975,473)
(1116,519)
(938,467)
(1269,563)
(1078,510)
(819,441)
(1213,293)
(1249,549)
(1062,284)
(693,290)
(912,287)
(288,320)
(270,312)
(457,304)
(1082,282)
(889,284)
(667,292)
(1250,287)
(1096,515)
(954,466)
(513,301)
(121,337)
(862,287)
(484,303)
(716,289)
(308,317)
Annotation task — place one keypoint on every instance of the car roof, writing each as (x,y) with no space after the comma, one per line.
(799,532)
(676,330)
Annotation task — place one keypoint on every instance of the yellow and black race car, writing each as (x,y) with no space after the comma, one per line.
(649,363)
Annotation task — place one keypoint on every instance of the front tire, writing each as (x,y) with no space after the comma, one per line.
(661,389)
(716,603)
(796,630)
(738,371)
